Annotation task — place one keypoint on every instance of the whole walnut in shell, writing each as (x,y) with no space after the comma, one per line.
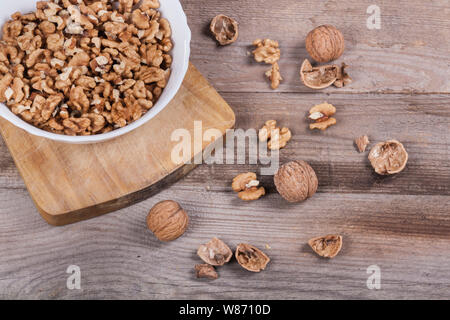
(225,29)
(388,157)
(167,220)
(296,181)
(325,43)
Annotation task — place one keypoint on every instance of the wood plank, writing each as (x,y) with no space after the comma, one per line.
(400,234)
(422,123)
(409,54)
(70,182)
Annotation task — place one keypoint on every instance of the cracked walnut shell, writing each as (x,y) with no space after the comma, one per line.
(206,271)
(167,220)
(388,157)
(251,258)
(296,181)
(326,246)
(215,252)
(325,43)
(225,29)
(321,77)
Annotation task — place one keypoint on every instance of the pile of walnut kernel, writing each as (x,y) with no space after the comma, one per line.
(82,67)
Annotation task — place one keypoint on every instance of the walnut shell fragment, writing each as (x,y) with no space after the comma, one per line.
(225,29)
(388,157)
(326,246)
(251,258)
(321,77)
(274,76)
(362,142)
(296,181)
(325,43)
(206,271)
(215,252)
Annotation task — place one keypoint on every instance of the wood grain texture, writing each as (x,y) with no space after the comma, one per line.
(409,54)
(421,123)
(71,182)
(400,223)
(119,258)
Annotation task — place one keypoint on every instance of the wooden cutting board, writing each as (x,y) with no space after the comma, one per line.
(69,183)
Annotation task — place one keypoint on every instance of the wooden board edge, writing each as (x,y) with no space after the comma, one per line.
(124,201)
(116,204)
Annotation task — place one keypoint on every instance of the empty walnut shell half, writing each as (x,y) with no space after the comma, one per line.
(325,43)
(319,77)
(326,246)
(225,29)
(215,252)
(388,157)
(296,181)
(251,258)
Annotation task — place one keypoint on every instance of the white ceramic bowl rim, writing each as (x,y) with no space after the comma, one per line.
(181,37)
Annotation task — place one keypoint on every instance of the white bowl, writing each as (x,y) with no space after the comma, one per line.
(181,37)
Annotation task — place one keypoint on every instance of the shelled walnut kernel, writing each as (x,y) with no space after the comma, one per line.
(268,51)
(274,75)
(246,184)
(276,138)
(342,77)
(321,115)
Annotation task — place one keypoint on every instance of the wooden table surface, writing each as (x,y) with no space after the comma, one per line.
(401,90)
